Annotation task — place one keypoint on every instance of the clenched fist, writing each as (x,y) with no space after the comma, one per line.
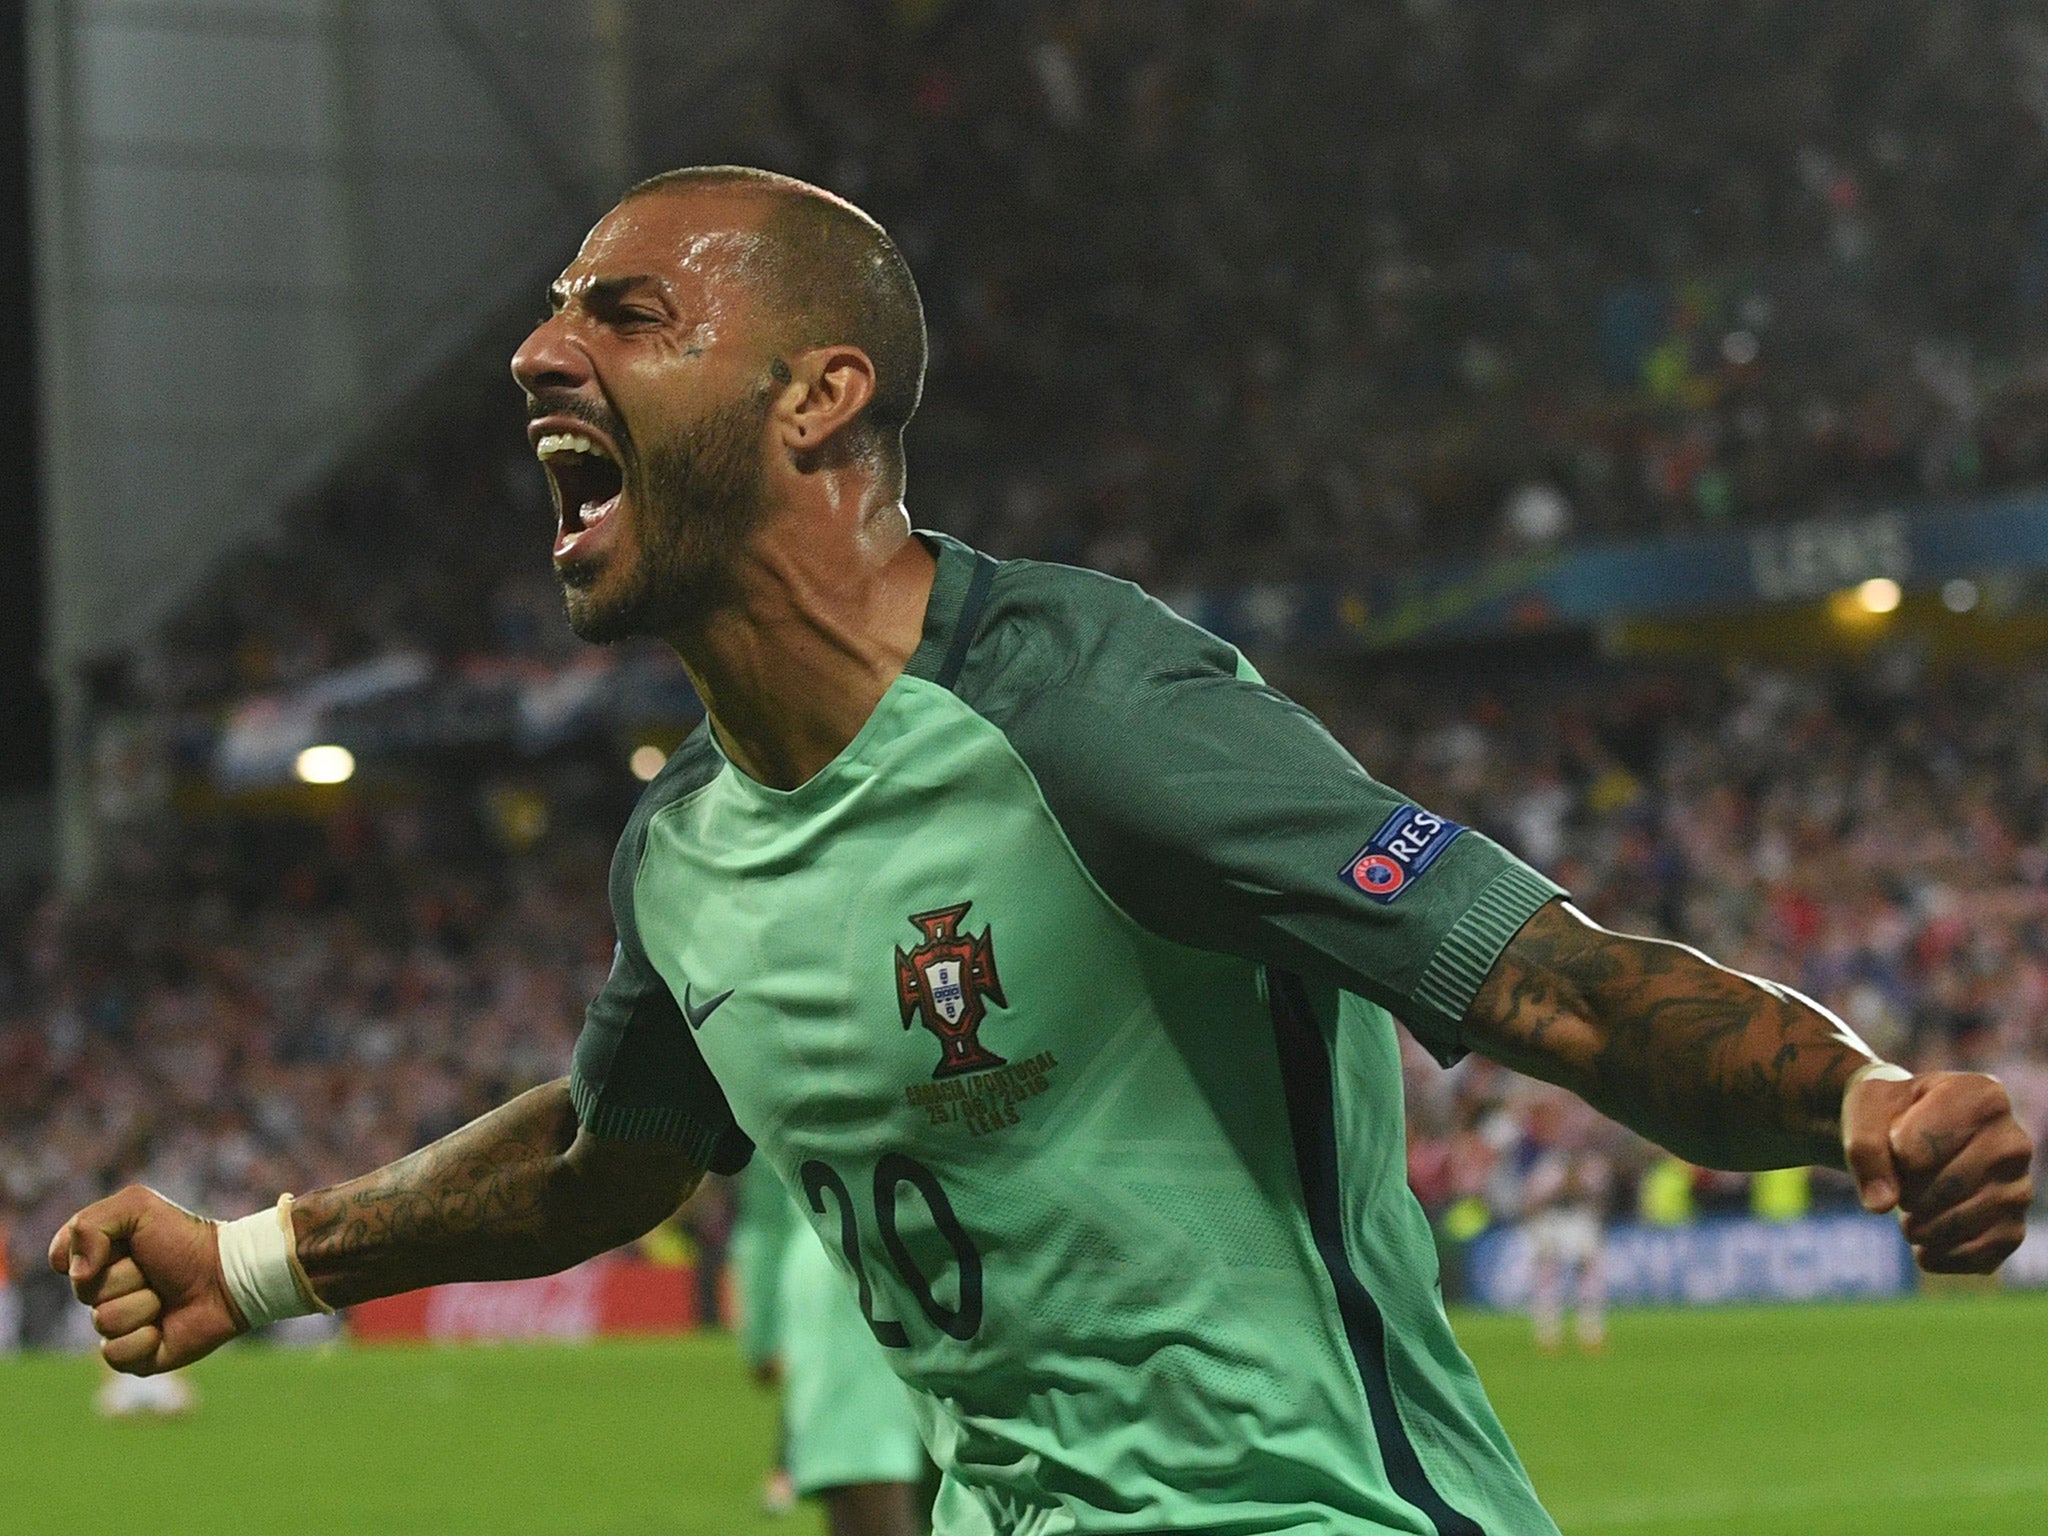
(1946,1152)
(150,1271)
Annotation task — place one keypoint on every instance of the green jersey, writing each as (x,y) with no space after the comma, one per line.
(1060,1000)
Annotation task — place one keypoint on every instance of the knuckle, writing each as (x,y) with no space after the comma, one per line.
(1948,1232)
(1924,1204)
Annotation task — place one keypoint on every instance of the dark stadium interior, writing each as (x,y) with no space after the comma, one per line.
(24,746)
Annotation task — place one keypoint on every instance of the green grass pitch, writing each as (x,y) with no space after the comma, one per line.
(1925,1417)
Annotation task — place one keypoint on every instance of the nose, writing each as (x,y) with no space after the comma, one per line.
(550,359)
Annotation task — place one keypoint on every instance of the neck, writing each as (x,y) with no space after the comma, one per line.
(822,618)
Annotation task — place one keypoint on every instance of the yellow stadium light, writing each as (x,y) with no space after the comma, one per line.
(646,761)
(1880,594)
(326,765)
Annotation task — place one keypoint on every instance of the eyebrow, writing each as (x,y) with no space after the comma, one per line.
(601,291)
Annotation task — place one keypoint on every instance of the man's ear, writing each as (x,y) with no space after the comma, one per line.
(828,388)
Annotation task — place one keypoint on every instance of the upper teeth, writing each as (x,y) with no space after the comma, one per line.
(566,442)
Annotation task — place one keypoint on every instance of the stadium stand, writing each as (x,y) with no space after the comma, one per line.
(1398,283)
(1262,288)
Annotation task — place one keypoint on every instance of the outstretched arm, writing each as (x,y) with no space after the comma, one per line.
(1733,1072)
(519,1191)
(1724,1069)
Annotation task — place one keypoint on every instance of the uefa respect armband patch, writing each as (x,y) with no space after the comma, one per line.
(1407,843)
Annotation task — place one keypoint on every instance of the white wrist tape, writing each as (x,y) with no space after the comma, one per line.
(1877,1071)
(259,1261)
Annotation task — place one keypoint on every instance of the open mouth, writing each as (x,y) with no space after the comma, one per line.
(586,479)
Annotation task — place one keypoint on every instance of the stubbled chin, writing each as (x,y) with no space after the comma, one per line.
(591,620)
(604,603)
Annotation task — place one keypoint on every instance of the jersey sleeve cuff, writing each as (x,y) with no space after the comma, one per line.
(652,1122)
(1466,954)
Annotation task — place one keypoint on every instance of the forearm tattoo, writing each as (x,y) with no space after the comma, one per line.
(1726,1070)
(485,1202)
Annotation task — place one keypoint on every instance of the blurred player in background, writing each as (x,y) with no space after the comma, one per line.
(1048,955)
(121,1396)
(848,1437)
(1566,1182)
(10,1297)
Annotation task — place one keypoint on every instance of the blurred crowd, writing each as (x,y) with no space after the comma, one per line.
(1250,289)
(247,1006)
(254,1004)
(1877,838)
(1259,287)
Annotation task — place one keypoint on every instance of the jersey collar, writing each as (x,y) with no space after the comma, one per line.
(960,588)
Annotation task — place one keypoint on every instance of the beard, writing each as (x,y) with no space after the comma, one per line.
(694,499)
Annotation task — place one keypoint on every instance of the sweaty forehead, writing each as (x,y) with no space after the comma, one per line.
(687,238)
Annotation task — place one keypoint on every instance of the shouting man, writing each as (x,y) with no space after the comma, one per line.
(1049,956)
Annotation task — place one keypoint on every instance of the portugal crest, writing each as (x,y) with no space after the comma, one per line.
(948,981)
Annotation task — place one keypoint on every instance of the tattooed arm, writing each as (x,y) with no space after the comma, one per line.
(1725,1070)
(520,1191)
(1734,1072)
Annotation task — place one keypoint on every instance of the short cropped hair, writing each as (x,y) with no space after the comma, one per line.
(834,275)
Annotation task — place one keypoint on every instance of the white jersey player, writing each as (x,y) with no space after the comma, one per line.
(1566,1184)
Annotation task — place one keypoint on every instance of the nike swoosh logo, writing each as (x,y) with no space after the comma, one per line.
(697,1016)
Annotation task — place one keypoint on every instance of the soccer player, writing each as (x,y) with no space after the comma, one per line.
(10,1298)
(849,1439)
(1565,1183)
(1048,955)
(123,1395)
